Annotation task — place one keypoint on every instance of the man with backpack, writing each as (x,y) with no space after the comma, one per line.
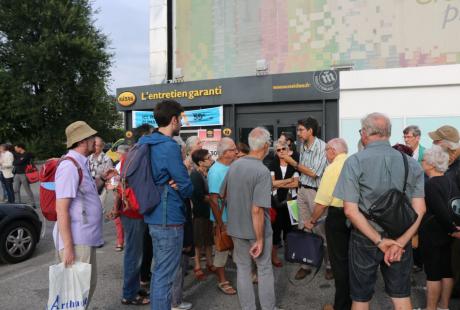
(166,221)
(365,178)
(78,230)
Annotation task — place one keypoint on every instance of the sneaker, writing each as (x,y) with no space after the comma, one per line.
(329,275)
(302,273)
(183,306)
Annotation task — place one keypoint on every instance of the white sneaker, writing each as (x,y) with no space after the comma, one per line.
(183,306)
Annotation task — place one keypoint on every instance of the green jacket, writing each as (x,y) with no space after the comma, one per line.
(421,152)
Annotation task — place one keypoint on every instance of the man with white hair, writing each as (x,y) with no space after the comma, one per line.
(227,152)
(365,177)
(247,188)
(337,231)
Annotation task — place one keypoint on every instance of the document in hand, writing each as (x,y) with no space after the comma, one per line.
(293,212)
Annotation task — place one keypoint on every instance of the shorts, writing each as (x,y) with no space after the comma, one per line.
(437,260)
(202,232)
(220,258)
(364,258)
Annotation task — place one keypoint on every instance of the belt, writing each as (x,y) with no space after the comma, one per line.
(308,186)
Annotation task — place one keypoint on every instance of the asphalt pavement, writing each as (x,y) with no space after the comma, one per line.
(24,286)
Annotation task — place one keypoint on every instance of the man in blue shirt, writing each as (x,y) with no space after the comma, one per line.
(227,151)
(167,230)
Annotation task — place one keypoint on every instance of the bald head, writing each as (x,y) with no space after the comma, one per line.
(376,124)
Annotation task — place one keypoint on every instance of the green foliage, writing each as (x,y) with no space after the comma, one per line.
(54,68)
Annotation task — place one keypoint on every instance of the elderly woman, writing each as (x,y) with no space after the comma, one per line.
(285,180)
(192,144)
(437,230)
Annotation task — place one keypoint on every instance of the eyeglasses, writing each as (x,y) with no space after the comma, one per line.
(281,149)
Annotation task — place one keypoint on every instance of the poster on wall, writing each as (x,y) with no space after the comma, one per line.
(210,138)
(190,118)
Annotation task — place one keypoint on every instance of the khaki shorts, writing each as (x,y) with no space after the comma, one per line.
(220,258)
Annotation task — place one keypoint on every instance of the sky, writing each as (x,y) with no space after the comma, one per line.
(126,23)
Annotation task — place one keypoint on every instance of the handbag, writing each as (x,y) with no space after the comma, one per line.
(393,210)
(31,173)
(222,241)
(306,248)
(69,286)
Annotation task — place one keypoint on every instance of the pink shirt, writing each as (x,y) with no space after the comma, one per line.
(86,230)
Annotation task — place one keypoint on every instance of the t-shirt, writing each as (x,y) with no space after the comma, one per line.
(216,176)
(248,183)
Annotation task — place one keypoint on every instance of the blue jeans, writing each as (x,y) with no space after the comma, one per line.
(167,252)
(132,260)
(5,195)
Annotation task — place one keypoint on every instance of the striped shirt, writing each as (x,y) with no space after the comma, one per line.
(313,158)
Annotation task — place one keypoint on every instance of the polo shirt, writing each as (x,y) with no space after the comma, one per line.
(328,181)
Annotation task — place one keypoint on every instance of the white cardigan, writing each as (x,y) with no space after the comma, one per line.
(6,164)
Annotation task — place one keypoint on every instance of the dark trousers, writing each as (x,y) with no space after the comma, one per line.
(146,257)
(281,226)
(338,237)
(8,182)
(456,267)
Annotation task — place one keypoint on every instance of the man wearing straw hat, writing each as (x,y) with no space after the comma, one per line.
(78,230)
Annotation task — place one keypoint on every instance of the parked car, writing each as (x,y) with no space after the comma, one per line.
(112,153)
(20,229)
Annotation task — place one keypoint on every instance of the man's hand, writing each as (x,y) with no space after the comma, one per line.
(173,185)
(456,234)
(109,173)
(257,249)
(386,244)
(113,214)
(288,159)
(393,254)
(69,257)
(308,224)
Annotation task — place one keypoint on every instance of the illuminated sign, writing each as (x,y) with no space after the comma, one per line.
(126,98)
(187,94)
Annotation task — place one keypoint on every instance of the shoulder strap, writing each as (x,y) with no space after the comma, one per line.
(406,171)
(77,165)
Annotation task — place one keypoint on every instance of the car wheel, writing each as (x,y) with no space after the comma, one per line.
(17,242)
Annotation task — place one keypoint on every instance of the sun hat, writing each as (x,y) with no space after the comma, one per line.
(78,131)
(445,132)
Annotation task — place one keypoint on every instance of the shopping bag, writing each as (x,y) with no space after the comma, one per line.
(69,287)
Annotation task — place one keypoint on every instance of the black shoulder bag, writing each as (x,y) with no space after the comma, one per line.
(393,210)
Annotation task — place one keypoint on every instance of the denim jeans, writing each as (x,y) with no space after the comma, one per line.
(167,253)
(178,286)
(9,189)
(2,181)
(132,260)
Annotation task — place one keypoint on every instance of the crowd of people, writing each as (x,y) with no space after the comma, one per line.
(14,160)
(244,194)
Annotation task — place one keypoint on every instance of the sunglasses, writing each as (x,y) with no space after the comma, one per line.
(281,149)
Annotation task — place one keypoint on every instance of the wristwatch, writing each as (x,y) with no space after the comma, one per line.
(378,242)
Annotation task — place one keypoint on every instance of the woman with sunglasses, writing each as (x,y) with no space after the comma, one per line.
(285,180)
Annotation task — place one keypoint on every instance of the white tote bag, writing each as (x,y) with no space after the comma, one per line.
(69,287)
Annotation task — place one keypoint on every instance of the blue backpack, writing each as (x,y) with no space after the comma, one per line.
(137,175)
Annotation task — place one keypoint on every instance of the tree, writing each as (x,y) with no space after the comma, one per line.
(54,69)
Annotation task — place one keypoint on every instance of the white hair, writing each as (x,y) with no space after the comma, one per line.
(373,125)
(190,143)
(437,157)
(179,141)
(448,145)
(223,145)
(339,145)
(258,137)
(280,143)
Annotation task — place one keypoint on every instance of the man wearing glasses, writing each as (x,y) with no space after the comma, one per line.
(412,139)
(311,167)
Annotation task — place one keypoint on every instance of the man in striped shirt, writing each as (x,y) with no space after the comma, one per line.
(311,167)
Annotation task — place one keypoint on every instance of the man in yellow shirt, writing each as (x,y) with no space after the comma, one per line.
(337,231)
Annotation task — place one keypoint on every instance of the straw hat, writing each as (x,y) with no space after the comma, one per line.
(77,132)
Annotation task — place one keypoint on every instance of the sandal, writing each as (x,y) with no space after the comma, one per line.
(137,301)
(119,248)
(199,274)
(211,268)
(226,288)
